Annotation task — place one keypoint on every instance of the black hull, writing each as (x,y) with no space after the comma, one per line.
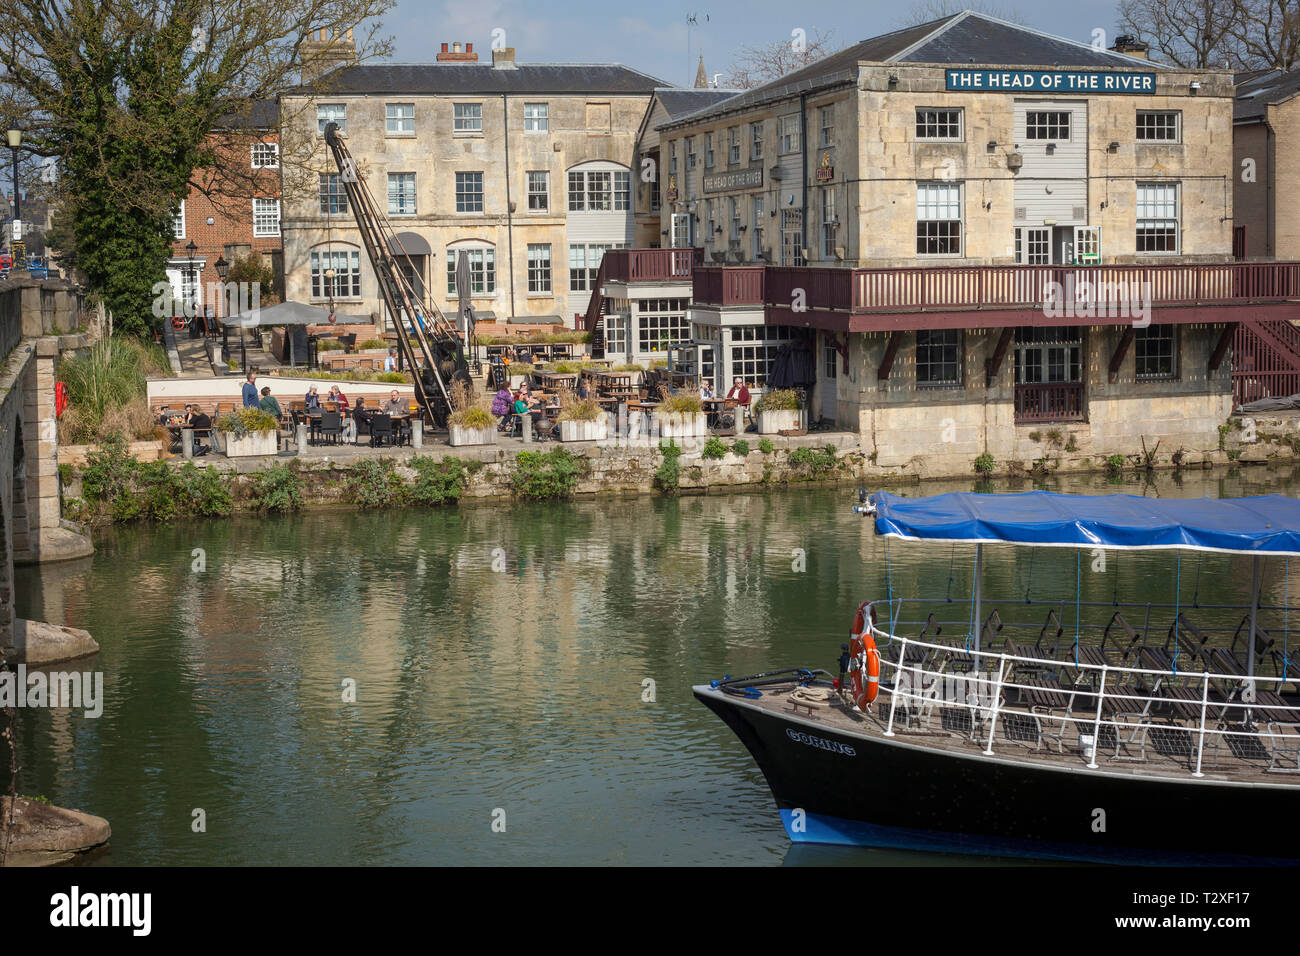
(868,790)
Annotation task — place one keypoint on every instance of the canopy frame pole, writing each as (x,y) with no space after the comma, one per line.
(979,563)
(1254,612)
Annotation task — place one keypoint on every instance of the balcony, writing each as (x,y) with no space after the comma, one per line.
(862,300)
(1049,403)
(651,265)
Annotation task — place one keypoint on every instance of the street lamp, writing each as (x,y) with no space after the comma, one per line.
(223,270)
(16,140)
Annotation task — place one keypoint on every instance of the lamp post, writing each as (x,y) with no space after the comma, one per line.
(223,270)
(190,306)
(15,140)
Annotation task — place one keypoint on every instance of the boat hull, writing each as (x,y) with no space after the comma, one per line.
(848,789)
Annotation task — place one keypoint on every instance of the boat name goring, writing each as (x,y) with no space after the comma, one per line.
(819,743)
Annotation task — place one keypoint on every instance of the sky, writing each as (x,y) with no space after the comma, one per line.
(655,37)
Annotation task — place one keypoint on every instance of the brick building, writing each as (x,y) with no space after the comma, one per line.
(234,216)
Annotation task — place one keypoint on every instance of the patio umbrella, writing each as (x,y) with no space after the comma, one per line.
(463,283)
(287,314)
(793,367)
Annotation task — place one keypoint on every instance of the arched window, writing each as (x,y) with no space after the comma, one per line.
(599,186)
(482,267)
(345,260)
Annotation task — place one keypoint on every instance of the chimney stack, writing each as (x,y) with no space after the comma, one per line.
(326,50)
(456,54)
(1126,44)
(504,59)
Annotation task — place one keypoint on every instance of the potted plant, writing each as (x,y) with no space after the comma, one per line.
(681,416)
(778,410)
(470,422)
(581,419)
(249,431)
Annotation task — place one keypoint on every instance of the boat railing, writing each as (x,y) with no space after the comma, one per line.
(1235,721)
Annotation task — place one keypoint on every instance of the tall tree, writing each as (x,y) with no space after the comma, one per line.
(756,65)
(923,11)
(1194,34)
(1267,33)
(125,92)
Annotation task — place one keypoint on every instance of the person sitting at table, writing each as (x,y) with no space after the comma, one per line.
(501,402)
(706,392)
(394,405)
(311,399)
(269,404)
(740,393)
(584,389)
(200,421)
(336,395)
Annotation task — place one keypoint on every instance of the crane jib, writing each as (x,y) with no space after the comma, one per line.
(423,332)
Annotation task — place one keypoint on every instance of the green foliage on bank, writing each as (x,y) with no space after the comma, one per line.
(278,489)
(547,476)
(439,481)
(668,475)
(814,462)
(118,488)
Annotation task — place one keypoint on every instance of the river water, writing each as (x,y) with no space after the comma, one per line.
(522,673)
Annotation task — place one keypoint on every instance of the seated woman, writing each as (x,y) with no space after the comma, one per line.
(501,407)
(311,399)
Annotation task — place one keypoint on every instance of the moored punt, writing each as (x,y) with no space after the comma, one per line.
(1154,732)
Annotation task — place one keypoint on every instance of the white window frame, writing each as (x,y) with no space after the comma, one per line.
(540,119)
(464,119)
(708,150)
(349,280)
(485,267)
(399,208)
(178,217)
(260,231)
(1155,204)
(756,140)
(482,200)
(540,273)
(274,149)
(327,113)
(826,137)
(733,146)
(928,118)
(788,138)
(395,123)
(1177,127)
(1050,122)
(830,222)
(936,202)
(531,179)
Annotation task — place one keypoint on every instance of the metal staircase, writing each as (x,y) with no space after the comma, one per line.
(1265,360)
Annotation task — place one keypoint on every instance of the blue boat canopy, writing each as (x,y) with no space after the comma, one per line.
(1268,524)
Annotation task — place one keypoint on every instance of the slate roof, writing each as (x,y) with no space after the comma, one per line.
(264,114)
(680,102)
(965,37)
(1260,89)
(484,79)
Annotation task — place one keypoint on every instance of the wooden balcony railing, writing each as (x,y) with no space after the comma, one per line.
(651,265)
(1114,289)
(1049,403)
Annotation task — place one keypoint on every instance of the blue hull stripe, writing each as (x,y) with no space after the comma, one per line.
(837,831)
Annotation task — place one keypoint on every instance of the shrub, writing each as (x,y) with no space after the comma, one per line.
(669,473)
(374,483)
(477,417)
(392,377)
(329,345)
(203,492)
(1115,465)
(817,461)
(245,421)
(126,489)
(714,448)
(765,446)
(682,403)
(109,378)
(1035,436)
(545,476)
(438,481)
(779,400)
(372,344)
(575,409)
(279,488)
(468,409)
(984,464)
(740,447)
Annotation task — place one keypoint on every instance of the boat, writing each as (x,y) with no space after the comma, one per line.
(1151,733)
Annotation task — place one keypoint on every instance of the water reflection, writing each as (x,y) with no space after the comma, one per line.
(498,655)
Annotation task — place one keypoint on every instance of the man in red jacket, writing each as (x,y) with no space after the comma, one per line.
(741,395)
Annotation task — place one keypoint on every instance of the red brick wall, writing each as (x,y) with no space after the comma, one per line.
(230,206)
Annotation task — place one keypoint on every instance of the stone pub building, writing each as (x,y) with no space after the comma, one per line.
(985,233)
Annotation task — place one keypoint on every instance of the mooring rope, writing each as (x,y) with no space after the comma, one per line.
(1286,617)
(1078,582)
(1178,590)
(952,556)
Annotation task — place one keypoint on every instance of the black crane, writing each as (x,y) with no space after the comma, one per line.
(422,330)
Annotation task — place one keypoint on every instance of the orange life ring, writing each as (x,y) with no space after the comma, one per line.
(864,656)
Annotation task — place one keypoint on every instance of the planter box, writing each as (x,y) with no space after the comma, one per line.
(256,443)
(459,435)
(774,421)
(683,426)
(596,430)
(75,455)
